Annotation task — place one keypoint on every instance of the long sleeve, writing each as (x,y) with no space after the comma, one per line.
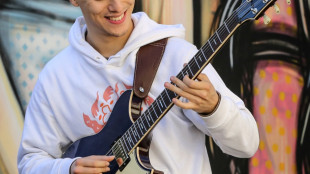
(232,126)
(42,140)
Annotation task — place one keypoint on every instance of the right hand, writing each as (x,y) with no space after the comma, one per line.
(91,164)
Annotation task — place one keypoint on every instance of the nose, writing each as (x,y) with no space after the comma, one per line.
(115,6)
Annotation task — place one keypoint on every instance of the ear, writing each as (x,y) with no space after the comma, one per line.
(74,3)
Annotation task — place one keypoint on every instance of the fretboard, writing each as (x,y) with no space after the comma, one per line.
(143,125)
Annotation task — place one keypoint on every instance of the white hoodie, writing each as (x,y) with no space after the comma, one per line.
(76,92)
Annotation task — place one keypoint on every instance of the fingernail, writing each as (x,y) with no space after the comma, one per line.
(166,84)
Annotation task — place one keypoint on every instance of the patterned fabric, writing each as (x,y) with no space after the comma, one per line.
(30,40)
(277,89)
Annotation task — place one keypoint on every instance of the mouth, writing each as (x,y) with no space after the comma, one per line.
(117,19)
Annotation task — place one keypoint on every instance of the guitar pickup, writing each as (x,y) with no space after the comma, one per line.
(121,156)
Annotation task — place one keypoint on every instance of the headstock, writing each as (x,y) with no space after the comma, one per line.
(254,9)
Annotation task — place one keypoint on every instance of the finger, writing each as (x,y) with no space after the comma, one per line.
(184,105)
(93,161)
(81,169)
(186,88)
(102,157)
(119,161)
(191,97)
(203,77)
(199,85)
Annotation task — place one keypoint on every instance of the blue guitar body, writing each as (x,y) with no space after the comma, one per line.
(101,143)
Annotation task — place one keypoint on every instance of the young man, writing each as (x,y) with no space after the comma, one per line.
(77,90)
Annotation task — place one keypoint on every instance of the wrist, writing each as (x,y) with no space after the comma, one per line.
(215,108)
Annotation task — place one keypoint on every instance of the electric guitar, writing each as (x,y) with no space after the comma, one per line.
(122,136)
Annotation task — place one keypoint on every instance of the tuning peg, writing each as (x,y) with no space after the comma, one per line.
(276,8)
(288,2)
(266,19)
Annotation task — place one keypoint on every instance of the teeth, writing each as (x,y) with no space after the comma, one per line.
(117,18)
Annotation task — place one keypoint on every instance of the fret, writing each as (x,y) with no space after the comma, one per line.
(226,27)
(141,126)
(147,119)
(152,115)
(134,142)
(163,100)
(168,95)
(158,106)
(125,142)
(174,92)
(134,125)
(194,65)
(218,37)
(135,133)
(123,147)
(215,42)
(155,112)
(129,139)
(197,62)
(145,124)
(148,116)
(223,33)
(161,104)
(210,46)
(204,55)
(200,57)
(175,95)
(182,74)
(190,70)
(232,21)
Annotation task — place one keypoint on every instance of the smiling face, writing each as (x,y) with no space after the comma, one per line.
(110,18)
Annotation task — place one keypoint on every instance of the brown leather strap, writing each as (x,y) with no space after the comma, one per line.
(147,63)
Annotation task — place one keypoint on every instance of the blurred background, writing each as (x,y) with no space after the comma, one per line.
(266,65)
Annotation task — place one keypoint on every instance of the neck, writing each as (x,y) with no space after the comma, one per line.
(107,45)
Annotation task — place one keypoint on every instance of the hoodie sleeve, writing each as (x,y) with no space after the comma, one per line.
(42,141)
(232,126)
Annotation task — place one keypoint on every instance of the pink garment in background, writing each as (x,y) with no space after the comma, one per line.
(277,88)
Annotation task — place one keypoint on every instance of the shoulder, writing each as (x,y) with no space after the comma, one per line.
(59,64)
(181,48)
(180,43)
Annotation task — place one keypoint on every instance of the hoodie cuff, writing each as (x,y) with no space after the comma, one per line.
(66,165)
(219,116)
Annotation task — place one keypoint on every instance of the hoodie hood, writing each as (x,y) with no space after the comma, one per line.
(145,31)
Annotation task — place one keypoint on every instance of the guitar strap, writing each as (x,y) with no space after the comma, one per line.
(147,63)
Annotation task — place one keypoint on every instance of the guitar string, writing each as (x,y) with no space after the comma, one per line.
(232,20)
